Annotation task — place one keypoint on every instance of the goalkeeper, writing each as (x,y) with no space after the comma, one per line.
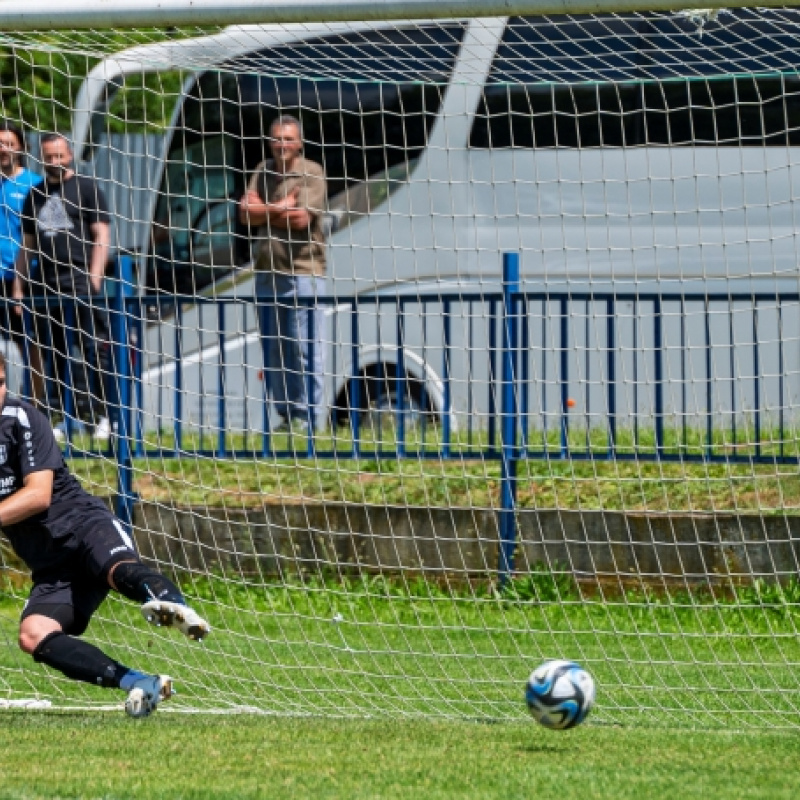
(77,550)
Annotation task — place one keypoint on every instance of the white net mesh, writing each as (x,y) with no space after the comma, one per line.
(596,460)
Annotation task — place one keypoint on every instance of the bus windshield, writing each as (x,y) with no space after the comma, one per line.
(367,134)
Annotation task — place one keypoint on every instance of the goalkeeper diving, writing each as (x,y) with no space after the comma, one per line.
(77,551)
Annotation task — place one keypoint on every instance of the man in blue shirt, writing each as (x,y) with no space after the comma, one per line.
(15,183)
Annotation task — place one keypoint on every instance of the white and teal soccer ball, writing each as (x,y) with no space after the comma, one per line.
(560,694)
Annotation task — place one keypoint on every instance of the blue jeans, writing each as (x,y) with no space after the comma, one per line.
(294,362)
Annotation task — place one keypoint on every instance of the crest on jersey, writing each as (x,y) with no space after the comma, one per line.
(3,454)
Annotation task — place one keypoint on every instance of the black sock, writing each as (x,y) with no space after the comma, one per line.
(140,583)
(79,660)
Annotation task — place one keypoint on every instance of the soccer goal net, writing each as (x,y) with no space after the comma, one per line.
(427,351)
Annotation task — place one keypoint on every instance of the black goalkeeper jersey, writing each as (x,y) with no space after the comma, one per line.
(60,218)
(27,445)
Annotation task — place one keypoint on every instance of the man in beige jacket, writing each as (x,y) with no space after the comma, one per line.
(285,200)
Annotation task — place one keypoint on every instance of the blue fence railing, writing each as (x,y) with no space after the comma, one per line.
(572,375)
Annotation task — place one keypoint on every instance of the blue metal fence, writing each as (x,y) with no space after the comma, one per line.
(652,365)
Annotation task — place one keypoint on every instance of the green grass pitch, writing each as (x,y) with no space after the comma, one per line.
(420,694)
(91,755)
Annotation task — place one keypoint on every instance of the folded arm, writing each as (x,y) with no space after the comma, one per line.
(253,210)
(295,211)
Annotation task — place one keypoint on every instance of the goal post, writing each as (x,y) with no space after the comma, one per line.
(104,14)
(528,388)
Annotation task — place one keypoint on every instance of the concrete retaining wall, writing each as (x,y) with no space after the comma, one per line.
(595,545)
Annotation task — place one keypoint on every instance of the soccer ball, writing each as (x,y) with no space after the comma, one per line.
(559,694)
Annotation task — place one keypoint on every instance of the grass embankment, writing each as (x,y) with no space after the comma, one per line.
(465,481)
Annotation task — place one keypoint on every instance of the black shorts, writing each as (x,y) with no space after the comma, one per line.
(73,591)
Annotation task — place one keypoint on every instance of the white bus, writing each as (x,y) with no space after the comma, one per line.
(618,153)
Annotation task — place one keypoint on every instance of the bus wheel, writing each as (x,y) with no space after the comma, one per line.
(380,419)
(378,405)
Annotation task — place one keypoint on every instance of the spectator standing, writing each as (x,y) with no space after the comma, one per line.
(65,224)
(286,199)
(15,183)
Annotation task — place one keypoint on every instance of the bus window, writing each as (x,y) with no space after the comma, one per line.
(212,235)
(586,115)
(644,46)
(721,112)
(760,110)
(355,130)
(186,234)
(367,102)
(642,80)
(417,54)
(364,197)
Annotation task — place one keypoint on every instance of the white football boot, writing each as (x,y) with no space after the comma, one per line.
(175,615)
(145,695)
